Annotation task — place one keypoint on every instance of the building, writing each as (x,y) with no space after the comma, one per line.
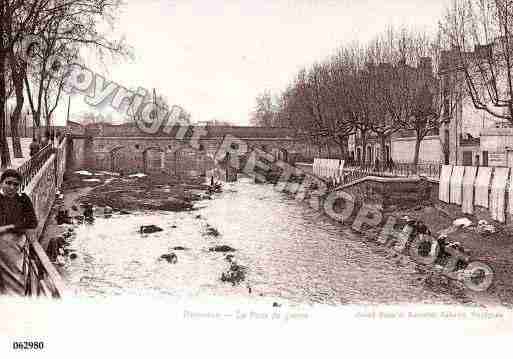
(400,146)
(471,137)
(496,146)
(403,147)
(372,148)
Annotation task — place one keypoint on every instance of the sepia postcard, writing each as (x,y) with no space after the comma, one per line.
(274,178)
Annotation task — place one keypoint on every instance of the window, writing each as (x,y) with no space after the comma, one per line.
(467,158)
(447,108)
(485,158)
(136,146)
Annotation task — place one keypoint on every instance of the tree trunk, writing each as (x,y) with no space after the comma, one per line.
(364,150)
(15,118)
(5,158)
(37,118)
(445,150)
(383,140)
(328,149)
(416,153)
(36,112)
(344,150)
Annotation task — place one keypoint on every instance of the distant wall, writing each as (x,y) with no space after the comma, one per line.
(130,153)
(403,149)
(76,156)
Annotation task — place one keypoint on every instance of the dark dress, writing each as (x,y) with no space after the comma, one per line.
(20,212)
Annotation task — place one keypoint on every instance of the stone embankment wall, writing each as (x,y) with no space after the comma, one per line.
(389,194)
(43,187)
(305,167)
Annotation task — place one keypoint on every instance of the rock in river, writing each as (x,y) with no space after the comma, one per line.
(222,248)
(211,231)
(150,229)
(235,274)
(172,204)
(180,248)
(170,257)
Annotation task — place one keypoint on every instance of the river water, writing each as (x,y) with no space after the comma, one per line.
(292,253)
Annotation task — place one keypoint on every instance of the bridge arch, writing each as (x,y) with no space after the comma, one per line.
(153,159)
(118,159)
(283,155)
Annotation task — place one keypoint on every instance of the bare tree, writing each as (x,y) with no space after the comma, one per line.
(64,29)
(15,18)
(338,121)
(360,109)
(264,114)
(62,25)
(390,84)
(479,35)
(406,88)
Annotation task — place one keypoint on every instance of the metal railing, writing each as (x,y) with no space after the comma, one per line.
(430,170)
(40,276)
(29,169)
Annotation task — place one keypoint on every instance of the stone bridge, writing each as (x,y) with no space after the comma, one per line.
(125,148)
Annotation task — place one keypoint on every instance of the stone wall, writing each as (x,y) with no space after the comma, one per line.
(388,194)
(44,185)
(76,154)
(403,150)
(130,153)
(305,167)
(61,161)
(41,191)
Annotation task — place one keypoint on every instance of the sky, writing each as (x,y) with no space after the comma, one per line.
(214,57)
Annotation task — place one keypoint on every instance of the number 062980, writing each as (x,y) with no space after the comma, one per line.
(28,345)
